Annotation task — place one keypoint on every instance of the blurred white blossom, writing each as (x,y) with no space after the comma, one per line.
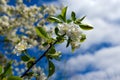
(39,71)
(23,18)
(72,31)
(21,46)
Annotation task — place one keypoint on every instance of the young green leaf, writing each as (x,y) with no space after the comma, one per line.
(56,55)
(60,39)
(54,19)
(25,58)
(56,31)
(30,62)
(68,42)
(42,33)
(45,43)
(79,20)
(1,69)
(73,49)
(85,27)
(68,21)
(7,69)
(83,38)
(51,68)
(29,74)
(73,16)
(3,78)
(60,17)
(14,78)
(82,18)
(63,13)
(53,54)
(52,50)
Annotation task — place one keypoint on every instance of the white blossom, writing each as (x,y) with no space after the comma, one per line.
(72,31)
(3,1)
(21,46)
(39,71)
(19,1)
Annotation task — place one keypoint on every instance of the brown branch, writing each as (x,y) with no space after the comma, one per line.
(38,59)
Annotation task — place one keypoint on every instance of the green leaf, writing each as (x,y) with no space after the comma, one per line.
(63,13)
(51,68)
(25,58)
(73,16)
(4,79)
(30,62)
(73,49)
(60,17)
(30,74)
(68,21)
(14,78)
(45,44)
(79,20)
(60,39)
(42,33)
(54,19)
(82,18)
(83,37)
(56,31)
(55,55)
(1,69)
(85,27)
(6,40)
(7,69)
(68,42)
(52,50)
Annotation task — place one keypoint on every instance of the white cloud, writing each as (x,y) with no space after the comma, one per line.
(100,75)
(101,14)
(105,60)
(103,32)
(94,8)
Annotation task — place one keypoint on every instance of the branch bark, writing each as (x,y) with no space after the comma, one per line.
(38,59)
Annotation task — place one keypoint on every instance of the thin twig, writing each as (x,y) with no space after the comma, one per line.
(39,59)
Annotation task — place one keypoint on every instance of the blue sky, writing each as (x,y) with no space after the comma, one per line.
(99,56)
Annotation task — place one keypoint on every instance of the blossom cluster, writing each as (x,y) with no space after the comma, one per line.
(37,71)
(72,31)
(17,23)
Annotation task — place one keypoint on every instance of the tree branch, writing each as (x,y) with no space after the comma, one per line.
(38,59)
